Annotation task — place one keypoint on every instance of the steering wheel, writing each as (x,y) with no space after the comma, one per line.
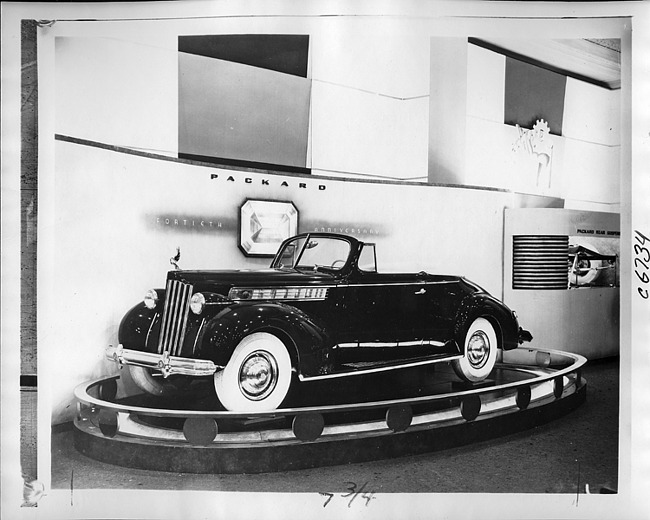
(336,262)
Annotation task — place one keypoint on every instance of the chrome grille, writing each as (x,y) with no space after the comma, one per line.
(174,318)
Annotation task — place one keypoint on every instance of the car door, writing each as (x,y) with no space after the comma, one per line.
(436,301)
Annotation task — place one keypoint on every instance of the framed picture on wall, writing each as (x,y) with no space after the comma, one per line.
(264,224)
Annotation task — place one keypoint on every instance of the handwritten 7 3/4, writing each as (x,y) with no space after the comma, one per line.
(352,494)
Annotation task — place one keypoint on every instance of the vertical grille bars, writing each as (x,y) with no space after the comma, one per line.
(174,320)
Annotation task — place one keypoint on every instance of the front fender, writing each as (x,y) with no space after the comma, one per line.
(306,340)
(134,328)
(483,305)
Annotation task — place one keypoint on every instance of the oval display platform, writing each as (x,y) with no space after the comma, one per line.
(404,413)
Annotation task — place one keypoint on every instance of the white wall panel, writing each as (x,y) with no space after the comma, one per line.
(118,92)
(378,56)
(447,110)
(592,113)
(357,132)
(592,172)
(486,77)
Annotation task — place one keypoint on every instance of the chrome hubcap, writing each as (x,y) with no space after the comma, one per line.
(258,375)
(478,349)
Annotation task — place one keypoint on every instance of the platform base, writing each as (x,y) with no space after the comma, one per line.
(204,441)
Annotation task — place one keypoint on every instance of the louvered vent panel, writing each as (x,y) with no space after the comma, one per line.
(540,262)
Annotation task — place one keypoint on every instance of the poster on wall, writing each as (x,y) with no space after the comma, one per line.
(264,225)
(594,262)
(222,130)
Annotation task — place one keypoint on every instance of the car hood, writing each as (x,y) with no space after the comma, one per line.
(211,280)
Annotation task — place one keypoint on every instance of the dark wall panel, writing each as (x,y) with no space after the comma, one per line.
(533,93)
(286,53)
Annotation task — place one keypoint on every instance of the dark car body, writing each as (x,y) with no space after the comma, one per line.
(335,320)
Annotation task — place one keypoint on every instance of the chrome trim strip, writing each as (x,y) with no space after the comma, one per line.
(168,365)
(378,369)
(418,283)
(163,324)
(186,311)
(198,335)
(392,344)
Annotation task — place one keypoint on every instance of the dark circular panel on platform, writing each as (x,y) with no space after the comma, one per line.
(558,386)
(108,390)
(470,407)
(200,431)
(308,427)
(399,417)
(108,422)
(523,397)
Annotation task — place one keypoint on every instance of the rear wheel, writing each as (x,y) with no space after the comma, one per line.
(257,377)
(480,349)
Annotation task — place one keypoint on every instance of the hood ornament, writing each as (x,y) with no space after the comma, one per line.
(174,259)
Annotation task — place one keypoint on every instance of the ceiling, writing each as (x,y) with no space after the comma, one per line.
(594,60)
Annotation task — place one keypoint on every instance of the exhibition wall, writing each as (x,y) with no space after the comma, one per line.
(381,105)
(404,105)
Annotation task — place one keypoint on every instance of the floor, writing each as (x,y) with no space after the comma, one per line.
(574,454)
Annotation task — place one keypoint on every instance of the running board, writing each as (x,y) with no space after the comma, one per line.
(363,368)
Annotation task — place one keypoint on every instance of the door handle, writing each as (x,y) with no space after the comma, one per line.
(421,291)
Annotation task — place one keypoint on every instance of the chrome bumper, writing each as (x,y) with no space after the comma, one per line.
(166,364)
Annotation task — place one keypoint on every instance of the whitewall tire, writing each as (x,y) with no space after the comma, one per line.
(480,352)
(257,377)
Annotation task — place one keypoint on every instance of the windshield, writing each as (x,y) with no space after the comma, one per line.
(313,252)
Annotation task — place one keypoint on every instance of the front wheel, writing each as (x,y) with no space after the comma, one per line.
(480,349)
(153,382)
(257,377)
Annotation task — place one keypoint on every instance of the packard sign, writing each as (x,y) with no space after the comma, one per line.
(269,182)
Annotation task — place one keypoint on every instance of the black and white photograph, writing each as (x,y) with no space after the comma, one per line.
(330,259)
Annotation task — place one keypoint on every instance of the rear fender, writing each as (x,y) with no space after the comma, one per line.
(482,305)
(305,339)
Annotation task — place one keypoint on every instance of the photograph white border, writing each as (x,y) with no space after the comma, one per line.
(632,499)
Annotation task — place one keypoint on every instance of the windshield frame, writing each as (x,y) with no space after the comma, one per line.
(277,260)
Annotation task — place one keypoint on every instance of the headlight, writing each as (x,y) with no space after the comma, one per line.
(151,299)
(197,303)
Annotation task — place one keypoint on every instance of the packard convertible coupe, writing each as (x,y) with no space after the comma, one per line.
(321,311)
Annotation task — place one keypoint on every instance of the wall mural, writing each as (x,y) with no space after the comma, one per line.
(535,142)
